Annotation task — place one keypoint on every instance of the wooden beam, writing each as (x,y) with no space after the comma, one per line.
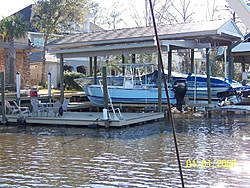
(208,76)
(90,66)
(192,61)
(169,63)
(95,70)
(3,97)
(123,68)
(111,50)
(159,86)
(61,79)
(190,44)
(230,63)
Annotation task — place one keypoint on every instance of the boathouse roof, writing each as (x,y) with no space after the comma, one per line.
(241,51)
(141,39)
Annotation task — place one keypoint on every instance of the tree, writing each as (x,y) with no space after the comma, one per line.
(96,13)
(182,10)
(166,12)
(211,9)
(12,28)
(57,17)
(115,15)
(142,16)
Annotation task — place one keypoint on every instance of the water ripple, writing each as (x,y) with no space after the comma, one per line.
(142,156)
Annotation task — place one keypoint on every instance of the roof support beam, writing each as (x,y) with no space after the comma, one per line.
(111,50)
(169,63)
(61,79)
(230,62)
(189,44)
(192,61)
(137,48)
(208,76)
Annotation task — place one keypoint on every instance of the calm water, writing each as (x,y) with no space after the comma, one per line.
(141,156)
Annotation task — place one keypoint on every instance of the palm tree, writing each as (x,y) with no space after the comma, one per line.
(11,28)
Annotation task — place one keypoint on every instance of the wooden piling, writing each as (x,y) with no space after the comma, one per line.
(3,98)
(105,93)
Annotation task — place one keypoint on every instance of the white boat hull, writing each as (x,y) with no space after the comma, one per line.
(127,95)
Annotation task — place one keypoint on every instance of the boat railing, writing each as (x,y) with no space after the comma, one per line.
(128,84)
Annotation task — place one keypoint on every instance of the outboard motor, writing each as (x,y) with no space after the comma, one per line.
(180,89)
(231,95)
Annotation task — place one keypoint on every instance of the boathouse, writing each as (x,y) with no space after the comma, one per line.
(199,35)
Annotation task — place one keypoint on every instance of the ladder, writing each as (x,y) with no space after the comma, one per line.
(111,105)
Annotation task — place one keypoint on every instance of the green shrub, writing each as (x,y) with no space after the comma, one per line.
(70,84)
(40,87)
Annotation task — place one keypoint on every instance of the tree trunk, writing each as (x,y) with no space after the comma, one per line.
(11,78)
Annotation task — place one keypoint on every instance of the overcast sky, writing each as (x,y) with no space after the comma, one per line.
(9,7)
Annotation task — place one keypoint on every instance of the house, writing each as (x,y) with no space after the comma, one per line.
(22,64)
(31,72)
(52,66)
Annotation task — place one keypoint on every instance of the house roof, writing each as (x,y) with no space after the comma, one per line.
(219,32)
(94,27)
(26,13)
(243,55)
(37,57)
(241,51)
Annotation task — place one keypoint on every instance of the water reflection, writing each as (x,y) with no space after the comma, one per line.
(142,156)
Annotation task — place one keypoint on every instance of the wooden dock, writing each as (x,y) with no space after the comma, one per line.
(212,108)
(235,109)
(81,112)
(73,96)
(86,114)
(90,119)
(95,119)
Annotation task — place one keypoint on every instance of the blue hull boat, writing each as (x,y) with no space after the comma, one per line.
(144,88)
(120,94)
(197,84)
(130,89)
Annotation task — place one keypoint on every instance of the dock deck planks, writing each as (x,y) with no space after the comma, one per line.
(87,118)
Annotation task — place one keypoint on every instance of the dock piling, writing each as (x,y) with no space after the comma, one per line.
(18,83)
(49,86)
(105,93)
(3,98)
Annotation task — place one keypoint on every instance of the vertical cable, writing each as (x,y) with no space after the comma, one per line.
(166,90)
